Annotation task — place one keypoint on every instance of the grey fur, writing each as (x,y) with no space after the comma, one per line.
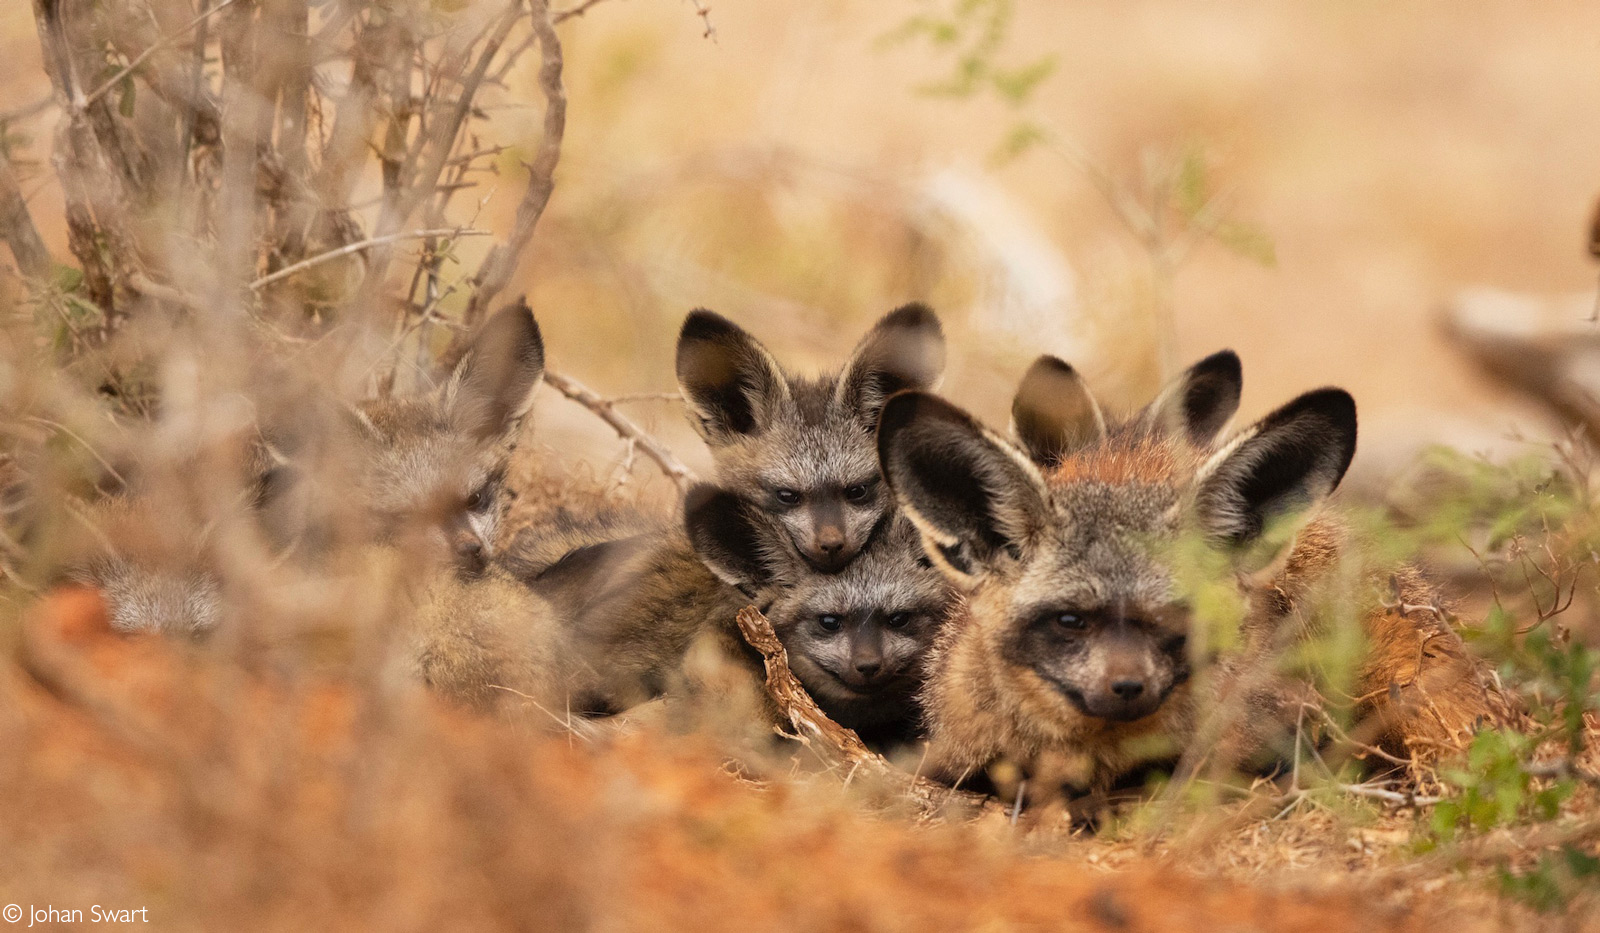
(801,449)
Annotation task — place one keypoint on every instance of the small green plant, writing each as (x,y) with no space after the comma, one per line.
(1496,787)
(1553,883)
(971,36)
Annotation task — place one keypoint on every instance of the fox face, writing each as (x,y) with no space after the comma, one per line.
(436,463)
(857,639)
(1063,542)
(426,468)
(801,450)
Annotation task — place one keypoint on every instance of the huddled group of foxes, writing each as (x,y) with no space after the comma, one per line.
(1019,597)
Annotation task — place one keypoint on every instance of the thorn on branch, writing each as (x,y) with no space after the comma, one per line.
(562,16)
(704,12)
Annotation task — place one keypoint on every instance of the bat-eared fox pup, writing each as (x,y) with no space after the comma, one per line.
(631,598)
(857,639)
(423,469)
(436,461)
(800,448)
(1069,656)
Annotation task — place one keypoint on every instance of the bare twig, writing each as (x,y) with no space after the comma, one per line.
(16,225)
(648,397)
(572,727)
(357,247)
(704,12)
(1403,798)
(832,740)
(495,271)
(440,140)
(1362,748)
(144,56)
(27,110)
(562,16)
(606,409)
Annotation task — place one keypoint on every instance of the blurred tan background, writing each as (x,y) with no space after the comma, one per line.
(790,175)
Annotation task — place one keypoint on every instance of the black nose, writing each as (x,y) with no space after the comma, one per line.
(1128,689)
(868,668)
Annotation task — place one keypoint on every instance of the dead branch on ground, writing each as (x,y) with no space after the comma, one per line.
(842,745)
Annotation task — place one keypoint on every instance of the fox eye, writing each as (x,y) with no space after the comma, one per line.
(786,496)
(478,501)
(1071,621)
(899,620)
(856,493)
(829,623)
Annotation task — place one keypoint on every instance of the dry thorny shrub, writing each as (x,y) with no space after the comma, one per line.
(271,204)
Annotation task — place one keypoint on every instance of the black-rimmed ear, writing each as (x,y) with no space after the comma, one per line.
(492,387)
(1196,405)
(977,500)
(1054,415)
(1285,464)
(903,351)
(731,537)
(729,380)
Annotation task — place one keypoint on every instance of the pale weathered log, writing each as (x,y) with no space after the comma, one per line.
(1548,350)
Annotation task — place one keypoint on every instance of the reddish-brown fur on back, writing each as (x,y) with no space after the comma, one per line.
(1127,458)
(1417,690)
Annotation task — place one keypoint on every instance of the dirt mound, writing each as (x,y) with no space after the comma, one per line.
(140,773)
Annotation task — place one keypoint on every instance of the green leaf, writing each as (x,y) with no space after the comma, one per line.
(66,278)
(1580,863)
(1248,241)
(1023,136)
(1192,186)
(1016,85)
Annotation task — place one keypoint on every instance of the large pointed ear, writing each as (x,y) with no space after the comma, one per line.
(732,538)
(1279,469)
(904,350)
(729,380)
(492,387)
(977,500)
(1053,415)
(1197,404)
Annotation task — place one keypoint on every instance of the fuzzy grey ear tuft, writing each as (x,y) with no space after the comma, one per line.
(731,537)
(977,500)
(729,380)
(1054,415)
(1196,405)
(903,351)
(492,387)
(1287,463)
